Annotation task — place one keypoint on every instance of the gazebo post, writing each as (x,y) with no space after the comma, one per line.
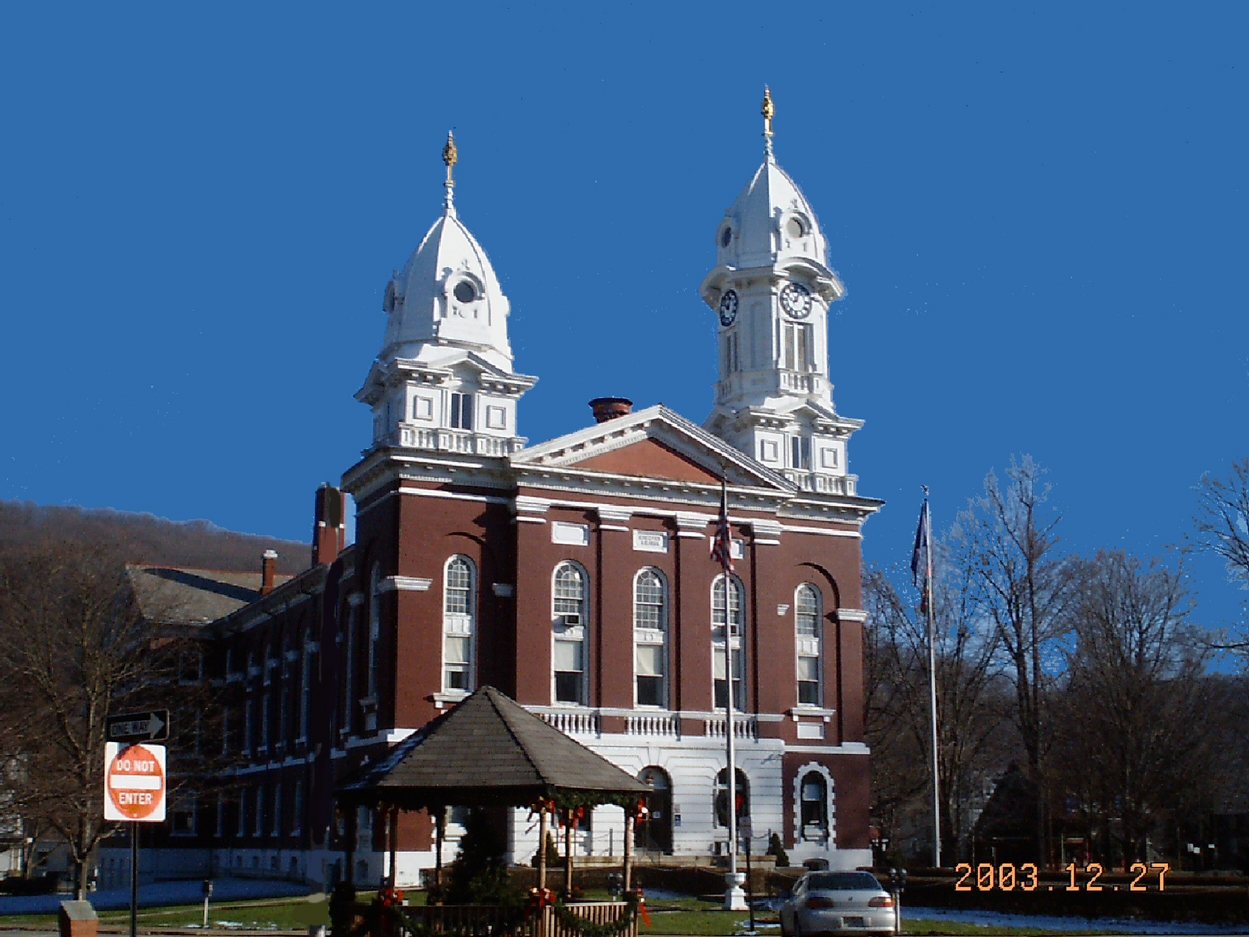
(568,854)
(352,833)
(440,824)
(628,850)
(543,833)
(392,834)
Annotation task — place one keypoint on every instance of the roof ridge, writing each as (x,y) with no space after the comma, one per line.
(505,717)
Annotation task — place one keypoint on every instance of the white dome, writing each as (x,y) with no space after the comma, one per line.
(447,294)
(770,221)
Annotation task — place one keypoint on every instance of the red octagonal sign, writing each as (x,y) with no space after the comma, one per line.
(134,782)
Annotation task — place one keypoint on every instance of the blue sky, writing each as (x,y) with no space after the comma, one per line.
(1039,212)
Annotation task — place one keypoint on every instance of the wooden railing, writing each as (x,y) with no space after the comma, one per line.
(594,912)
(493,921)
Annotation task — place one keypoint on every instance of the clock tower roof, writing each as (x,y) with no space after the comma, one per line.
(770,221)
(447,294)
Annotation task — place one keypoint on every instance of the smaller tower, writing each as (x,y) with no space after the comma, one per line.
(444,378)
(771,289)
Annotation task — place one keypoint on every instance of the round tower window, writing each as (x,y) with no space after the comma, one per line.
(465,291)
(795,228)
(725,236)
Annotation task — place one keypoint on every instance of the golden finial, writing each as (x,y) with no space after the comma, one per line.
(768,110)
(450,156)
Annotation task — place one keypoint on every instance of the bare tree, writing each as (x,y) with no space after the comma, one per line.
(1020,584)
(1134,694)
(77,649)
(1223,526)
(970,714)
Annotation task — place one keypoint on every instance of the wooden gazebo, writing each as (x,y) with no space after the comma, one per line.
(491,752)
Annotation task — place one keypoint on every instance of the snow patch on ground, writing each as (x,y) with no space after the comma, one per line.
(161,894)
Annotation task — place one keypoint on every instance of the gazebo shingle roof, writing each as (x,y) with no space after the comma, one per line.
(488,751)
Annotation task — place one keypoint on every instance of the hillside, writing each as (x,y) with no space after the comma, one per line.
(145,538)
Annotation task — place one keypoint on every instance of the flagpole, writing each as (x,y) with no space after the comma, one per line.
(734,897)
(932,684)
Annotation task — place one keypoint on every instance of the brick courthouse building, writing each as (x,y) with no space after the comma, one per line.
(573,575)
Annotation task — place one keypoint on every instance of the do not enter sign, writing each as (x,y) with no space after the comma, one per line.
(134,782)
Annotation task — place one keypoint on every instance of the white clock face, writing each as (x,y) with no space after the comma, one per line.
(728,308)
(796,300)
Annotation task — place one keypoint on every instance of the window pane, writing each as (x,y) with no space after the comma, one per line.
(807,609)
(568,687)
(649,660)
(567,655)
(457,650)
(648,601)
(569,591)
(808,668)
(650,691)
(456,677)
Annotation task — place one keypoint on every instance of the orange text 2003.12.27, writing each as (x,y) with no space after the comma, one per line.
(1025,877)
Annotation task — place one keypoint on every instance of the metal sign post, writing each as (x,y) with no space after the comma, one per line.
(134,791)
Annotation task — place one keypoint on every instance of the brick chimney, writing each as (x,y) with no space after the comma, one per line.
(608,408)
(329,529)
(268,571)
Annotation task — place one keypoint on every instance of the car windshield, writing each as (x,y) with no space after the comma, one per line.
(843,881)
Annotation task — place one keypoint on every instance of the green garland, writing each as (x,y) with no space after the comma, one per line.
(588,928)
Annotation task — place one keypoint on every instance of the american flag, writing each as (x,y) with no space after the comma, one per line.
(921,571)
(722,544)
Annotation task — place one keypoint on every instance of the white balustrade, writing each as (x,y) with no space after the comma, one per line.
(662,724)
(744,727)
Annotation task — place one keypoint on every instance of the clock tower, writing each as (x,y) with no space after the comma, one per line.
(771,289)
(444,378)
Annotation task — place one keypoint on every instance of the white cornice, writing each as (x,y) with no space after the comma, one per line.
(404,584)
(852,614)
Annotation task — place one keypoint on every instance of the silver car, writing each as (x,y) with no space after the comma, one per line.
(837,903)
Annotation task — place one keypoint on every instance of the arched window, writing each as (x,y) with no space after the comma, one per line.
(375,629)
(813,809)
(808,613)
(734,606)
(650,629)
(459,624)
(722,796)
(568,624)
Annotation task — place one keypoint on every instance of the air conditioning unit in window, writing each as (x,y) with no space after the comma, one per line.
(571,619)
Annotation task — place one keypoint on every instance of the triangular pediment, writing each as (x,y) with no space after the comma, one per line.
(654,443)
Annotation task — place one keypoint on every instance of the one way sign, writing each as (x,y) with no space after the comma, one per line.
(138,727)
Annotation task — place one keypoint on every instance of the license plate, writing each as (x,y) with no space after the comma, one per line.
(854,922)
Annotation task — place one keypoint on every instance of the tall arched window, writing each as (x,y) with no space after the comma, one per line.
(459,624)
(375,630)
(650,629)
(735,630)
(808,615)
(568,624)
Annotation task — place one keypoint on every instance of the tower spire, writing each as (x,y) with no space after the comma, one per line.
(450,156)
(768,110)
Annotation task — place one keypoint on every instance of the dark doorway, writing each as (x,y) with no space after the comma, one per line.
(654,834)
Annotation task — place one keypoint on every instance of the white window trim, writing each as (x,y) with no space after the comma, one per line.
(652,637)
(578,633)
(466,625)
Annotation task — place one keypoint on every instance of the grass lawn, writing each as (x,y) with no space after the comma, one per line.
(684,916)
